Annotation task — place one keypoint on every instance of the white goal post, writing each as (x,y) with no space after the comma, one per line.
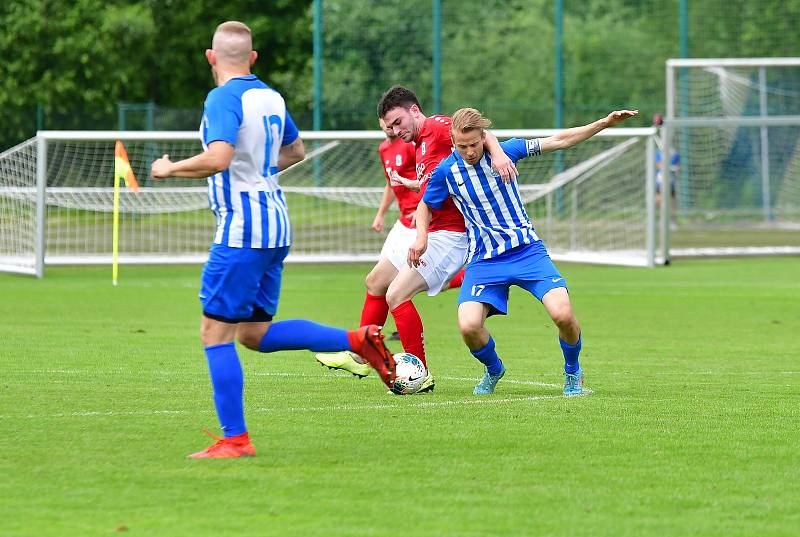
(592,203)
(734,124)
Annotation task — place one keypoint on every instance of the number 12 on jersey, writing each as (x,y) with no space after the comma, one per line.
(272,128)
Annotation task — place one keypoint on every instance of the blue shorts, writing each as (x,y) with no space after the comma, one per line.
(528,266)
(242,284)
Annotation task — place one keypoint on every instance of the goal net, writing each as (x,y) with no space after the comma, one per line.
(734,125)
(589,203)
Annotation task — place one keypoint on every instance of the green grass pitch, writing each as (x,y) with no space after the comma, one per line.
(692,428)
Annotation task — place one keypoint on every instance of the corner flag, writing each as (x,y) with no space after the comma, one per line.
(122,167)
(122,170)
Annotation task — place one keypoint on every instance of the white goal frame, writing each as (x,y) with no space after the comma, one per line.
(673,121)
(40,194)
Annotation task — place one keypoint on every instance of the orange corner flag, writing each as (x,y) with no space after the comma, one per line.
(122,167)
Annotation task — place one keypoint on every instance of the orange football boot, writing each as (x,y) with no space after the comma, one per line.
(367,342)
(227,448)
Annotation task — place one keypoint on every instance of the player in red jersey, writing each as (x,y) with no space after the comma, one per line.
(402,113)
(397,158)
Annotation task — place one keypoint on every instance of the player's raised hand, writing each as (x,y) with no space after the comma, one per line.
(618,116)
(160,169)
(505,167)
(415,252)
(377,223)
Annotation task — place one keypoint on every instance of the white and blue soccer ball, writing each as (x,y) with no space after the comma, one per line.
(410,373)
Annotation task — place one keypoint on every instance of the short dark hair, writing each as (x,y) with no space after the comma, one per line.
(396,96)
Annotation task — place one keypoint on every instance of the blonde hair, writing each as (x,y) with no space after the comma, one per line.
(233,42)
(467,119)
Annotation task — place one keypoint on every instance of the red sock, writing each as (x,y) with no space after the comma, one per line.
(375,310)
(457,280)
(409,326)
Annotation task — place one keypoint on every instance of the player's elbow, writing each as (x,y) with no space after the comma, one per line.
(219,164)
(218,157)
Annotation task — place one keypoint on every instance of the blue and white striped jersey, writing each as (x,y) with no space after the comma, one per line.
(493,210)
(246,199)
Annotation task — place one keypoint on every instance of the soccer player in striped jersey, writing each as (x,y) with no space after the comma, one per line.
(248,138)
(402,113)
(504,248)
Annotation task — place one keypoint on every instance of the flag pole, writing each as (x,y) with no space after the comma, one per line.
(115,234)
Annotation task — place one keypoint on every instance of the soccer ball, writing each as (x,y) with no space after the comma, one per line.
(410,373)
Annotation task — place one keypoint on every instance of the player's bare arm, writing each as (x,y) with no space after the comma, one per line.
(411,184)
(386,201)
(500,161)
(291,154)
(423,220)
(569,137)
(214,160)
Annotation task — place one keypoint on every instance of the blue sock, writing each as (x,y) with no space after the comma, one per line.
(227,381)
(489,358)
(298,334)
(571,353)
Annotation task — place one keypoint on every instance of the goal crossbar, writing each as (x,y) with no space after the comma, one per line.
(57,200)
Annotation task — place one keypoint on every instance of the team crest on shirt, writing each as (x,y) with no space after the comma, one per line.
(422,148)
(398,160)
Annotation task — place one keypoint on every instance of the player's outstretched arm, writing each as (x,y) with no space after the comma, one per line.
(214,160)
(569,137)
(291,154)
(423,220)
(500,161)
(386,201)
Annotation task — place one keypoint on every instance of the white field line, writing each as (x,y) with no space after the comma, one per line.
(349,407)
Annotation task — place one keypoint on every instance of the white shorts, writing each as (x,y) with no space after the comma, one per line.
(395,247)
(444,257)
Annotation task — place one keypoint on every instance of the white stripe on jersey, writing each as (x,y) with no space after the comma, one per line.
(255,204)
(495,217)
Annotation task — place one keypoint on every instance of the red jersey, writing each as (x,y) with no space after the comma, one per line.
(433,146)
(399,156)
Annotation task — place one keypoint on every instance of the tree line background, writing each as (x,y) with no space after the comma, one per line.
(70,65)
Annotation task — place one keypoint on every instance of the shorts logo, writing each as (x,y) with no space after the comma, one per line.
(398,160)
(477,290)
(422,148)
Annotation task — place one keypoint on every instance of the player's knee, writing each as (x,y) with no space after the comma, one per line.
(470,329)
(206,336)
(249,339)
(564,318)
(394,297)
(375,284)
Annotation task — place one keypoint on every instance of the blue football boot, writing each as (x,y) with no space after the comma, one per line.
(573,383)
(488,382)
